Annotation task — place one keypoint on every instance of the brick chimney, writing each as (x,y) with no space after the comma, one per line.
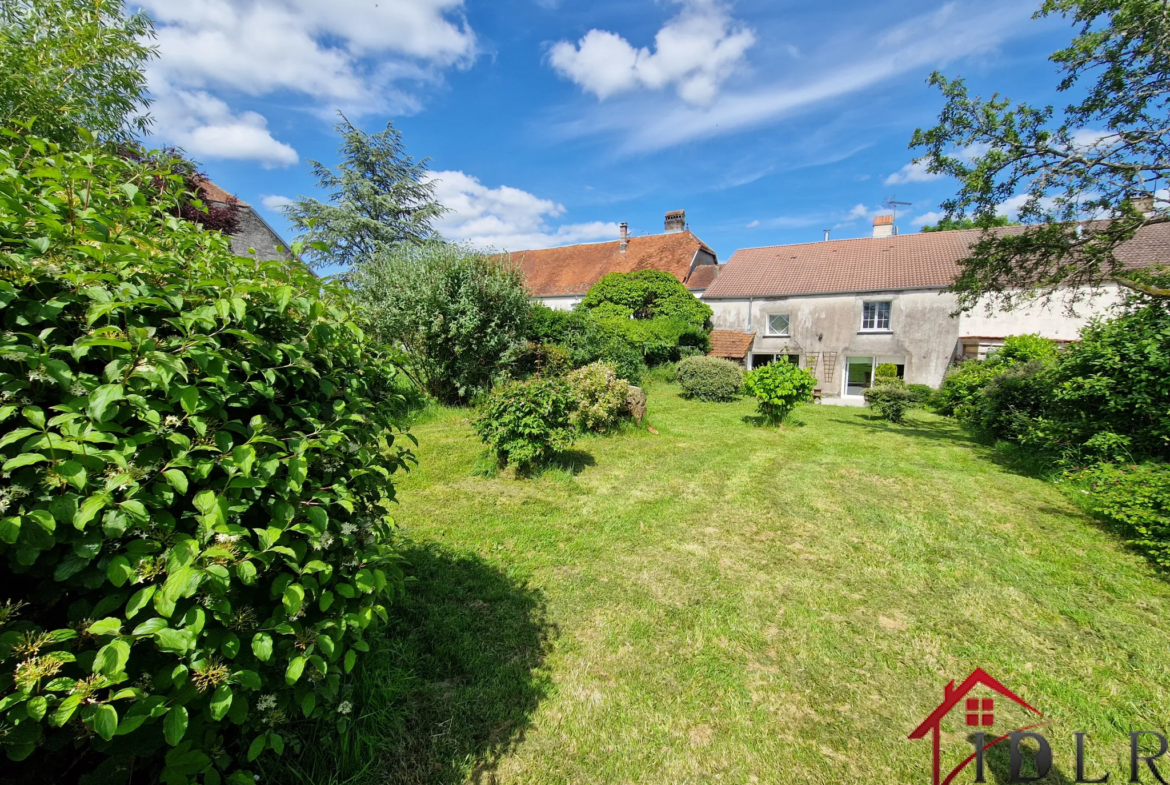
(883,226)
(625,228)
(676,221)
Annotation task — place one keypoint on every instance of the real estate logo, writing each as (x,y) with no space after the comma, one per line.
(978,715)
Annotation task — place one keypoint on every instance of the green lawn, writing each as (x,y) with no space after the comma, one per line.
(722,602)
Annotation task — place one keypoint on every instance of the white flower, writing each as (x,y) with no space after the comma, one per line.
(266,702)
(348,528)
(226,539)
(345,707)
(78,389)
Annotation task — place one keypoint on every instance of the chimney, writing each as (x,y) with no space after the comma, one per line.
(883,226)
(1144,205)
(625,227)
(676,221)
(827,231)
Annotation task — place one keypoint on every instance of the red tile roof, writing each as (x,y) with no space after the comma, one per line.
(703,276)
(911,261)
(213,193)
(572,269)
(730,344)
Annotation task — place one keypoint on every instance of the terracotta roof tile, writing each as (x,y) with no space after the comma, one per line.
(213,193)
(572,269)
(703,276)
(730,344)
(911,261)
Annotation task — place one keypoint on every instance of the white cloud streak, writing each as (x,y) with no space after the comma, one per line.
(913,172)
(506,218)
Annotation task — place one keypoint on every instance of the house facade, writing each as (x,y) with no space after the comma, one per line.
(560,277)
(840,308)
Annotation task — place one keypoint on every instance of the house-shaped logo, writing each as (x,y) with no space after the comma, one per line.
(977,713)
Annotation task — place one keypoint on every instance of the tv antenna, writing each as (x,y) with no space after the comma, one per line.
(894,204)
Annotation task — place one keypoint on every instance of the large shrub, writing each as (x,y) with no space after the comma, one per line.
(961,389)
(527,422)
(197,452)
(454,311)
(660,340)
(601,397)
(1137,500)
(1013,403)
(710,378)
(646,294)
(779,388)
(890,399)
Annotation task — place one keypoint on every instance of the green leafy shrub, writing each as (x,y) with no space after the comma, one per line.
(1010,406)
(527,422)
(890,399)
(885,371)
(646,294)
(960,393)
(660,340)
(710,378)
(454,311)
(197,451)
(923,394)
(779,388)
(1137,500)
(544,359)
(601,397)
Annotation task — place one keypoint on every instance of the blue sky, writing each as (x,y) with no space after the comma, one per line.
(549,122)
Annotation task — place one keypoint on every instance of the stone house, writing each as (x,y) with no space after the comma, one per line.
(251,230)
(841,307)
(560,277)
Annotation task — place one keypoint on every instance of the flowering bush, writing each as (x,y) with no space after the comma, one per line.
(779,388)
(197,452)
(601,396)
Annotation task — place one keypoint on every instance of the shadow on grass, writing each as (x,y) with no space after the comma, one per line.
(448,689)
(571,461)
(938,431)
(759,421)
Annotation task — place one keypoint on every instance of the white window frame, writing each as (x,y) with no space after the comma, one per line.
(768,332)
(878,307)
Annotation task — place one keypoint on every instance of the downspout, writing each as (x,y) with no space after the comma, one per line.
(751,300)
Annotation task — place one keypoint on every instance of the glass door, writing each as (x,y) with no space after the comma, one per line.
(859,375)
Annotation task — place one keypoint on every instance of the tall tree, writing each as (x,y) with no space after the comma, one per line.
(1104,157)
(379,197)
(66,64)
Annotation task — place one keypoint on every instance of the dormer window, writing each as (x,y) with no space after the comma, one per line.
(875,317)
(778,325)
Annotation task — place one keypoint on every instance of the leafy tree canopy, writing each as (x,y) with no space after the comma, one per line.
(1105,156)
(66,64)
(645,294)
(951,224)
(378,197)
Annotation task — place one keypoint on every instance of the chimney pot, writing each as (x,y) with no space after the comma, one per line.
(676,221)
(883,226)
(827,231)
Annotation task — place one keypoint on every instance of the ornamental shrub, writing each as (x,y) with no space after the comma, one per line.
(710,378)
(1137,500)
(890,399)
(526,422)
(646,294)
(923,394)
(198,451)
(886,371)
(779,388)
(601,397)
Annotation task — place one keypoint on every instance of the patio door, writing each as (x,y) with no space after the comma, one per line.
(858,375)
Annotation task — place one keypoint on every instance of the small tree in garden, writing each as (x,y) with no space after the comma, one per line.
(197,452)
(456,312)
(527,422)
(891,400)
(779,388)
(646,294)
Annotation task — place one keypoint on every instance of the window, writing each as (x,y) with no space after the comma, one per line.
(778,324)
(875,317)
(859,375)
(760,360)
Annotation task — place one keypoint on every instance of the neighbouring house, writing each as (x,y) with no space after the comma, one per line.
(841,307)
(560,277)
(250,234)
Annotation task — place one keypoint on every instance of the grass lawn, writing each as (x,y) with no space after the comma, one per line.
(722,602)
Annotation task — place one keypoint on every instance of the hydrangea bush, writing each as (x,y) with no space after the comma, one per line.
(197,452)
(527,422)
(779,388)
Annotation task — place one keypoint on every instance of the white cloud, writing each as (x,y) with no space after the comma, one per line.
(928,218)
(753,224)
(695,53)
(275,202)
(353,55)
(913,172)
(206,127)
(848,66)
(507,218)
